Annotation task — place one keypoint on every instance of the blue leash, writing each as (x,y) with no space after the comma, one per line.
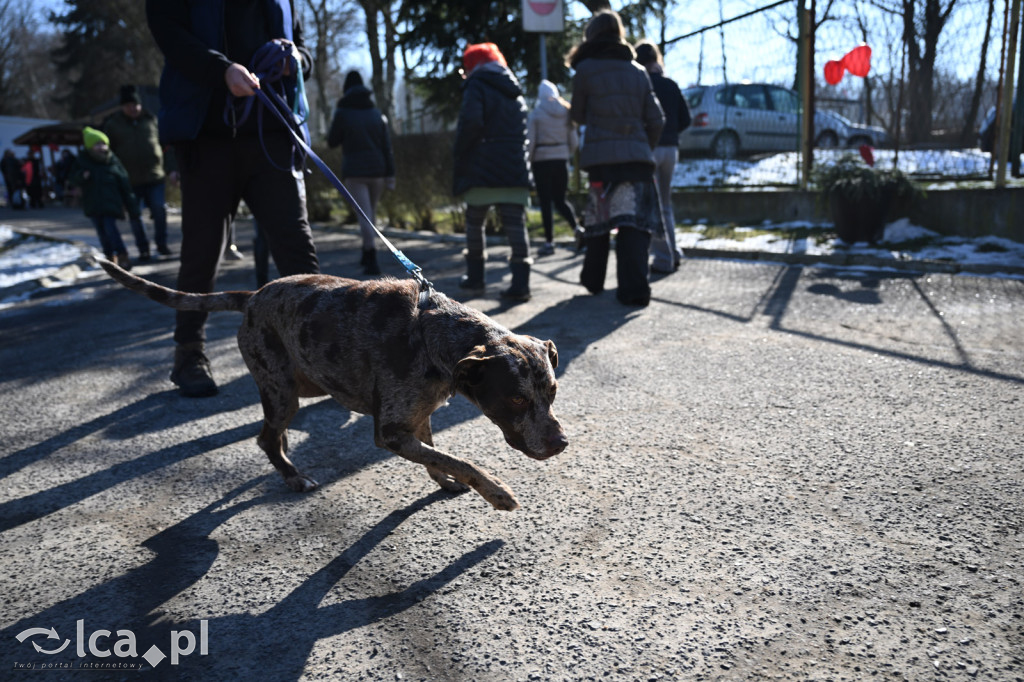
(268,66)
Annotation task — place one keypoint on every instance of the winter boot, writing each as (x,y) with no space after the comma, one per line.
(631,249)
(520,289)
(191,371)
(473,280)
(595,263)
(369,262)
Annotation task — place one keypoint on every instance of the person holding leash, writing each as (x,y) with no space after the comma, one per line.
(225,151)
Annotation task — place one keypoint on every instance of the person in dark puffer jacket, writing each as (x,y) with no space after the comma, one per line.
(613,97)
(368,164)
(491,167)
(106,193)
(667,255)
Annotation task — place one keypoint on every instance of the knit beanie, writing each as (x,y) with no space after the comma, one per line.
(91,136)
(352,80)
(130,95)
(481,53)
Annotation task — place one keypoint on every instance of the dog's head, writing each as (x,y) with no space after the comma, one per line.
(513,383)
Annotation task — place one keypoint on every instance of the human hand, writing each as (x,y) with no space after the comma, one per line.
(294,53)
(240,81)
(389,183)
(174,177)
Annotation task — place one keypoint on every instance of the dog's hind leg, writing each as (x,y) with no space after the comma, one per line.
(425,435)
(279,390)
(273,439)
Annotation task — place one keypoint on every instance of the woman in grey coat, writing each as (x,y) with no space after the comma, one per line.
(613,98)
(552,139)
(368,164)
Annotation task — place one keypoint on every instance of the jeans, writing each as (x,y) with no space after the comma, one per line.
(513,222)
(151,195)
(110,236)
(366,192)
(663,246)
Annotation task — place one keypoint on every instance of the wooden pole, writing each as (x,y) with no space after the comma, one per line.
(805,70)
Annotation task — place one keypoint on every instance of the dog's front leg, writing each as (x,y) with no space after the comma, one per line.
(402,441)
(426,436)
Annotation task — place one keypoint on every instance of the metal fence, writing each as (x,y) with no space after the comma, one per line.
(922,105)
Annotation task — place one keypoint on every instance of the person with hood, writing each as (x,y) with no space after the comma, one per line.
(367,164)
(667,255)
(491,167)
(612,96)
(106,193)
(552,140)
(135,139)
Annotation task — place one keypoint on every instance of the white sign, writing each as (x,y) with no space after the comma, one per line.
(542,16)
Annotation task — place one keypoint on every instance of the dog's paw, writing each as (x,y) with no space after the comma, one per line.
(447,482)
(503,500)
(301,484)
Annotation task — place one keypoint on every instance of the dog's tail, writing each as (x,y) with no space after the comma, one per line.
(179,300)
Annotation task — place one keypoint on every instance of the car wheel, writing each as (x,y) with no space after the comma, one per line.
(725,145)
(827,140)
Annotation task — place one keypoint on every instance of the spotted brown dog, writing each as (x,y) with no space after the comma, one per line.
(378,349)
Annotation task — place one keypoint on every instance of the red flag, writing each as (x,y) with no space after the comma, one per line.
(867,152)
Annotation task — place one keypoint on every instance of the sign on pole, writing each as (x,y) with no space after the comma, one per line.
(542,16)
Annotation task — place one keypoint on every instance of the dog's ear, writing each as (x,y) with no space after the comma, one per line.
(469,371)
(552,353)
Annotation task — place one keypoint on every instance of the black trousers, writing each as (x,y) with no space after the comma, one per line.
(551,178)
(216,173)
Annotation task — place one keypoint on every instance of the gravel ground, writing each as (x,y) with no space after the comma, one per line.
(774,472)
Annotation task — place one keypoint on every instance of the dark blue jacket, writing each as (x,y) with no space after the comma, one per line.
(490,139)
(198,47)
(677,112)
(362,131)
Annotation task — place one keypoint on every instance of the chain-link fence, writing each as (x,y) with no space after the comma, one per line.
(927,103)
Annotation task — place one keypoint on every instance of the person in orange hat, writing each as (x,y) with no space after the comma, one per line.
(491,167)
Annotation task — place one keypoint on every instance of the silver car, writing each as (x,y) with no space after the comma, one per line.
(850,134)
(733,119)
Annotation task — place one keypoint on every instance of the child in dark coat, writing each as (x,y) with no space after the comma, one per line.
(106,193)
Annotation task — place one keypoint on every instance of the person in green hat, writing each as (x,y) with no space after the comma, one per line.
(106,193)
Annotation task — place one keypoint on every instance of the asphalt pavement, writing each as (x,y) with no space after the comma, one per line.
(775,471)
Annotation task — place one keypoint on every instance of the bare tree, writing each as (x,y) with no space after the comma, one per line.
(329,21)
(921,22)
(967,132)
(382,79)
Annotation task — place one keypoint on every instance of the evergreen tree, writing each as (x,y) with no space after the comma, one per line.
(105,44)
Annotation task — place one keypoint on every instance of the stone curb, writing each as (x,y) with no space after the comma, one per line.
(834,259)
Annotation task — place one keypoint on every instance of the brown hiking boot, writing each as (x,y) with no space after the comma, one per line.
(191,372)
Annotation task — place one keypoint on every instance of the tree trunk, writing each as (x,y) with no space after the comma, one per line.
(967,132)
